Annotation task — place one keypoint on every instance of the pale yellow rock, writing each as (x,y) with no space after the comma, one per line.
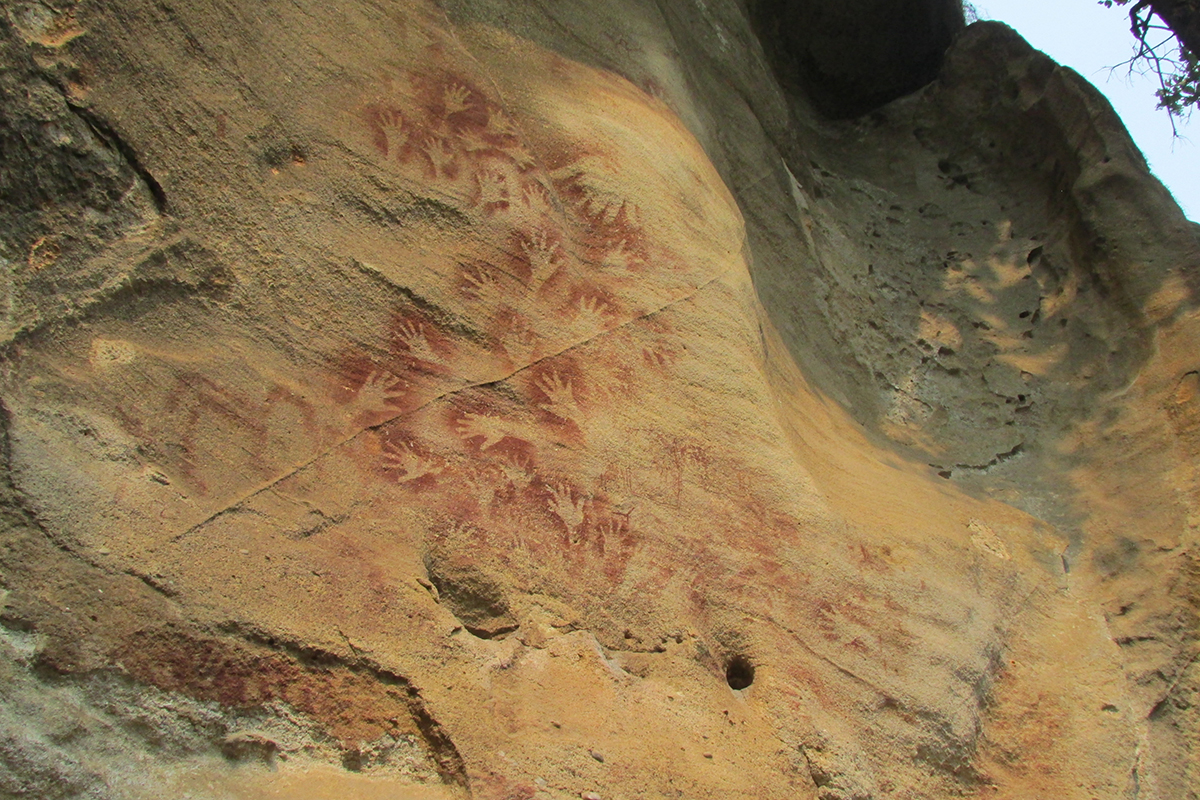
(513,402)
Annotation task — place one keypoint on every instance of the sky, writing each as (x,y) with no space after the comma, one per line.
(1092,39)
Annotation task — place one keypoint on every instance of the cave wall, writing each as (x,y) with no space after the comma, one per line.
(499,400)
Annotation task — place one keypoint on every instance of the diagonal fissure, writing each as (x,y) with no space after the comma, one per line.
(440,397)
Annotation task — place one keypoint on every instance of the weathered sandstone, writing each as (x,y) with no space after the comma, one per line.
(545,400)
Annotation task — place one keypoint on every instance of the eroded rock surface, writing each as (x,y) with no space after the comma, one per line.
(513,400)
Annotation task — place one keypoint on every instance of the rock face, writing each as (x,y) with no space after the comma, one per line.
(519,400)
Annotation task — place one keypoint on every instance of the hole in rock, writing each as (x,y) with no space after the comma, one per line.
(739,673)
(853,56)
(249,746)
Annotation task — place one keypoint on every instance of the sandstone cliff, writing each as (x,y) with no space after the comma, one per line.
(504,399)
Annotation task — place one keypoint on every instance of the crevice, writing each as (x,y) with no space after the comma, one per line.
(232,508)
(105,133)
(325,523)
(1158,708)
(450,764)
(1125,641)
(999,458)
(354,436)
(491,633)
(156,584)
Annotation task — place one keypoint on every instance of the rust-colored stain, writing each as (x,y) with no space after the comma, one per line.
(355,705)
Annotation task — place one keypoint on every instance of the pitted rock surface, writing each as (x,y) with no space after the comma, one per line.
(516,400)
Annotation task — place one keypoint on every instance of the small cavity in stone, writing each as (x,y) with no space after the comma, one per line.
(739,673)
